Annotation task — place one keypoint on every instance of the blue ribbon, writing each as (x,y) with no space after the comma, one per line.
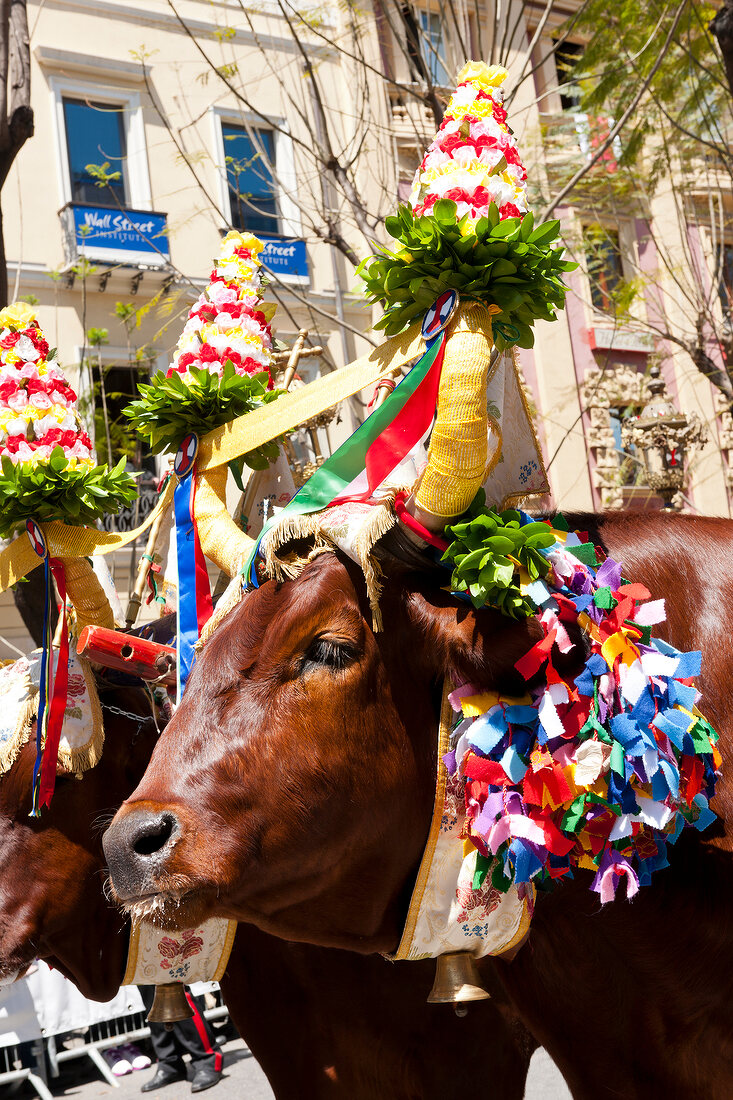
(188,627)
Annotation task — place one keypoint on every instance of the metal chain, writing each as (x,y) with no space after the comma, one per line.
(140,720)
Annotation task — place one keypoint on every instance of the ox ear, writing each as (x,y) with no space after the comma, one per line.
(481,646)
(471,646)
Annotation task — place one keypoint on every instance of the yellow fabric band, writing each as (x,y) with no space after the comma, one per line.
(222,541)
(258,427)
(220,447)
(65,541)
(458,448)
(87,595)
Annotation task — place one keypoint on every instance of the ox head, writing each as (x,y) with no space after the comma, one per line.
(294,786)
(52,871)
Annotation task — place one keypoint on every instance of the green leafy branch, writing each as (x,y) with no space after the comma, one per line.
(54,490)
(487,553)
(169,408)
(507,263)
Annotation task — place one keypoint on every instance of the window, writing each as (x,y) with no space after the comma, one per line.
(94,123)
(605,269)
(567,57)
(630,469)
(432,47)
(250,180)
(95,134)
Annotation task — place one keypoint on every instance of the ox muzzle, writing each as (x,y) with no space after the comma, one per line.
(137,847)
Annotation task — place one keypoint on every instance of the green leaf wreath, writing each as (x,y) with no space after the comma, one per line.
(505,263)
(487,552)
(168,408)
(54,490)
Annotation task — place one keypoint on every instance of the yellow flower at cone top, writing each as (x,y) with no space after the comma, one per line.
(241,240)
(486,76)
(18,315)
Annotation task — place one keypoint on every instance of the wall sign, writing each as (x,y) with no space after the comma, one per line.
(621,340)
(285,256)
(131,235)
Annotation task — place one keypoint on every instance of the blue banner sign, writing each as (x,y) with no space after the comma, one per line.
(129,231)
(285,256)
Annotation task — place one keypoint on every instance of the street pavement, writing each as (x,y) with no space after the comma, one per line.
(244,1080)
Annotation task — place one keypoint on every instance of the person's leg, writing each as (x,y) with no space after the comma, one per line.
(195,1036)
(168,1051)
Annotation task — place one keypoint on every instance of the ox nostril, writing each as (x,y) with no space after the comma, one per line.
(153,835)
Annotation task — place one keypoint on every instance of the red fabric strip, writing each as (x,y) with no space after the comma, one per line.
(204,603)
(59,693)
(203,1031)
(532,661)
(399,437)
(487,771)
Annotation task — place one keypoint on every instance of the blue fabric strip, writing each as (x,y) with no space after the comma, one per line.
(188,627)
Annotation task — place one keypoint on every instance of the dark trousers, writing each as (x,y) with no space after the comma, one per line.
(192,1036)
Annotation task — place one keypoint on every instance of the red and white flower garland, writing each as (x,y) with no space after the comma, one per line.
(227,321)
(37,404)
(474,158)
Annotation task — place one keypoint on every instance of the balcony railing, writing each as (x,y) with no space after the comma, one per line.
(413,122)
(127,519)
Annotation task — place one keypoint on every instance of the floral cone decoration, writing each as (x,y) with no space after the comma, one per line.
(36,402)
(227,323)
(47,467)
(468,228)
(474,160)
(220,371)
(48,473)
(221,365)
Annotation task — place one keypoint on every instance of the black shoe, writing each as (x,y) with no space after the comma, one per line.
(164,1075)
(204,1078)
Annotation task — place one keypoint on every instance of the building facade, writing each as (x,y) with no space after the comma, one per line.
(159,126)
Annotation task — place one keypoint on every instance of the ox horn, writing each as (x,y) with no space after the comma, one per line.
(221,539)
(456,981)
(86,594)
(169,1005)
(458,452)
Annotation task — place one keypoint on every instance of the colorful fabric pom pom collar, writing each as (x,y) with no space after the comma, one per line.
(598,771)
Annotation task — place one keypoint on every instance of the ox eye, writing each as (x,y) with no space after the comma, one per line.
(330,653)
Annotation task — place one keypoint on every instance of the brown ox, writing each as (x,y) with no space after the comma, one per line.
(293,789)
(355,1028)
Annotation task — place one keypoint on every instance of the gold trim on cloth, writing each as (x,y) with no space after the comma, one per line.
(446,914)
(82,732)
(201,954)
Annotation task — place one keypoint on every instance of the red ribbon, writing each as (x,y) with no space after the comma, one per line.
(59,692)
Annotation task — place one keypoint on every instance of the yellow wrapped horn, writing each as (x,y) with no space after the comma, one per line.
(458,452)
(221,540)
(86,594)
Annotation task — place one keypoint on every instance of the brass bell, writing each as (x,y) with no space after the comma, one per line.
(169,1005)
(456,981)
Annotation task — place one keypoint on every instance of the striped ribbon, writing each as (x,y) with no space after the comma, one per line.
(360,465)
(53,685)
(194,595)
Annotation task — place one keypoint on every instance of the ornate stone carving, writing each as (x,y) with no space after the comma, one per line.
(616,387)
